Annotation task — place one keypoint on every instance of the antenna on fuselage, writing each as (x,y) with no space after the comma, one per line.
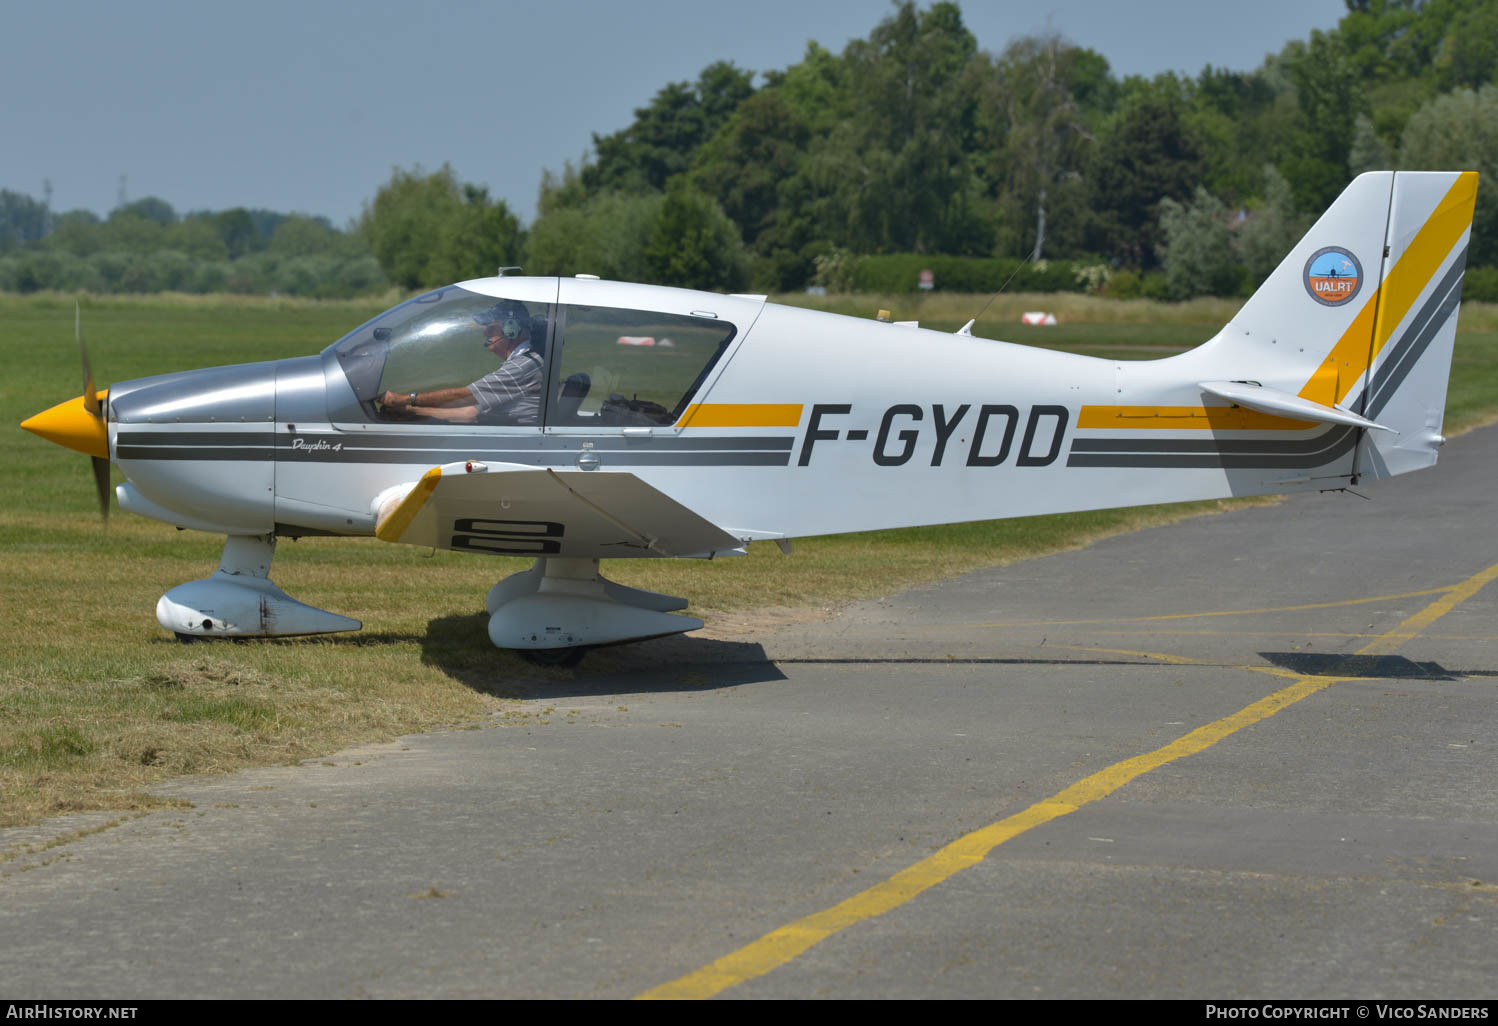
(967,329)
(501,272)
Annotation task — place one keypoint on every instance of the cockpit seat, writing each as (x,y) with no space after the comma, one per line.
(574,391)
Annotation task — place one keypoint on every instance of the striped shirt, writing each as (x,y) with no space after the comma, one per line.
(512,394)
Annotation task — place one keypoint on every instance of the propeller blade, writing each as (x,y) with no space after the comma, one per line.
(80,423)
(102,485)
(91,405)
(90,394)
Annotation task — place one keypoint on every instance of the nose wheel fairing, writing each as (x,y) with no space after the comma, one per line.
(239,600)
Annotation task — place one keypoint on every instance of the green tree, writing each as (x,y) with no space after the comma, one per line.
(479,236)
(564,190)
(1149,153)
(1368,151)
(22,220)
(129,231)
(78,232)
(150,208)
(1382,38)
(605,235)
(1233,114)
(694,244)
(1329,97)
(1468,54)
(751,155)
(1459,132)
(237,230)
(198,238)
(300,235)
(817,88)
(1271,229)
(901,170)
(428,230)
(757,166)
(1197,252)
(1043,133)
(664,136)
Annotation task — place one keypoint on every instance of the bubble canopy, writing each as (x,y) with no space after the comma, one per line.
(602,366)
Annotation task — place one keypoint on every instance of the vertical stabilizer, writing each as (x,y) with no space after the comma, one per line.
(1361,315)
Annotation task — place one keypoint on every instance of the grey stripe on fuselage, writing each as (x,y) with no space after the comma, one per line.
(181,442)
(1329,445)
(1235,446)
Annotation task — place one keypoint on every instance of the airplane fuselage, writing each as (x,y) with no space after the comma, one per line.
(807,423)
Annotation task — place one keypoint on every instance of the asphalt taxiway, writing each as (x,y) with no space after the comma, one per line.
(1247,755)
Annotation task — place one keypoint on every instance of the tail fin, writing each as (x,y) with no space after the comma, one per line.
(1360,318)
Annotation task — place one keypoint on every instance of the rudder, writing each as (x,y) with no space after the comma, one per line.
(1430,222)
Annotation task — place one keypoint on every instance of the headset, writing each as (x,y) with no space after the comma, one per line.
(512,318)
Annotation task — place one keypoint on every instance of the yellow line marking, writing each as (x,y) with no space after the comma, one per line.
(1277,634)
(393,526)
(1185,418)
(1227,612)
(723,415)
(1389,641)
(1162,656)
(1273,671)
(782,945)
(1235,634)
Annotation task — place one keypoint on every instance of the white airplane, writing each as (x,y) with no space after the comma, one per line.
(575,420)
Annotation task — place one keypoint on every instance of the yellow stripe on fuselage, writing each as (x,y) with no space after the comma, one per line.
(737,415)
(1188,418)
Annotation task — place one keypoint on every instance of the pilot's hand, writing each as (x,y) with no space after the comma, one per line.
(395,401)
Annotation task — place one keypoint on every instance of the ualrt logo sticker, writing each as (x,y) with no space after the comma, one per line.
(1333,276)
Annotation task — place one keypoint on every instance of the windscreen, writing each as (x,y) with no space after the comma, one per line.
(450,339)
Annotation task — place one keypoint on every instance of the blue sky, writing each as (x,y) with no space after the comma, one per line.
(307,106)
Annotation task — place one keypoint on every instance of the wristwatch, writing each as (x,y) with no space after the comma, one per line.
(413,400)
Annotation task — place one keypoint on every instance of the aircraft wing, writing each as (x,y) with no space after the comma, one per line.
(514,511)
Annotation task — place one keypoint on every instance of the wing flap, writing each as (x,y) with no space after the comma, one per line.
(543,512)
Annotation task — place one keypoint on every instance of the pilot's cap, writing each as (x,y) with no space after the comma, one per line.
(512,317)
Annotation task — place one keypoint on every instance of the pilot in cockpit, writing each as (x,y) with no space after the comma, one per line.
(509,395)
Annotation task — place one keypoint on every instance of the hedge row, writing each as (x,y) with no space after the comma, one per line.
(1481,284)
(113,271)
(901,272)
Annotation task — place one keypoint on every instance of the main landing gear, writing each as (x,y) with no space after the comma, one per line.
(553,612)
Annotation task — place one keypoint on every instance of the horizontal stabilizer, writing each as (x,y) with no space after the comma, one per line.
(543,512)
(1271,400)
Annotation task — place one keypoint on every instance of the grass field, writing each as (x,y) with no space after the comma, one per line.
(97,702)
